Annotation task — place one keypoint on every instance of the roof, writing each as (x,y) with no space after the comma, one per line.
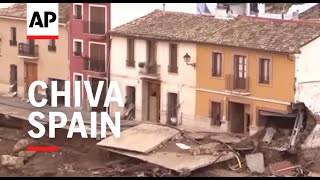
(281,36)
(312,13)
(19,10)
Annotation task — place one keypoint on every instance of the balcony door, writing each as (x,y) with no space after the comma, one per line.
(97,57)
(97,20)
(31,44)
(240,71)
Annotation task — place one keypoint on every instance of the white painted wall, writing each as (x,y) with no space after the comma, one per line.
(308,76)
(182,83)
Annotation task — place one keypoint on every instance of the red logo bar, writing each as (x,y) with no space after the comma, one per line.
(42,37)
(43,148)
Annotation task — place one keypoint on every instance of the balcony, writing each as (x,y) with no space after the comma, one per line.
(150,70)
(28,51)
(237,85)
(94,65)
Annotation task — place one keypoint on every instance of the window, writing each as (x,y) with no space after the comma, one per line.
(77,11)
(216,65)
(130,53)
(52,45)
(97,21)
(77,47)
(264,71)
(13,38)
(173,65)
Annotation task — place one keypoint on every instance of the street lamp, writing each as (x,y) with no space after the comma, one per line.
(187,58)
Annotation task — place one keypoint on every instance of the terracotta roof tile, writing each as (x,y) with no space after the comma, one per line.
(246,32)
(19,10)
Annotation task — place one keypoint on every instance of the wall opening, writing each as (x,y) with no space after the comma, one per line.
(13,78)
(172,109)
(215,113)
(237,117)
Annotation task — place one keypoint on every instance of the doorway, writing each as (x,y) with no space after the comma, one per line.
(31,43)
(13,78)
(153,101)
(131,101)
(215,113)
(94,85)
(172,109)
(237,117)
(31,75)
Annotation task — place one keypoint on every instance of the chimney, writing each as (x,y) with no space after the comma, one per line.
(295,15)
(164,7)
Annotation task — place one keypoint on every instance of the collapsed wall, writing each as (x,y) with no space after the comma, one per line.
(309,94)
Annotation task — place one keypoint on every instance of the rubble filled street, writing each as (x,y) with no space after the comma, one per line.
(162,90)
(173,152)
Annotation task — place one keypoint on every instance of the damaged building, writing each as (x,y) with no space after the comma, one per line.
(246,68)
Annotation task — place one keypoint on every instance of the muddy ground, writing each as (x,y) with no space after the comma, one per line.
(79,157)
(76,157)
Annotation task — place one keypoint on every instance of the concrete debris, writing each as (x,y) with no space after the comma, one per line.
(143,138)
(12,162)
(226,138)
(255,163)
(270,131)
(283,168)
(26,154)
(205,149)
(22,144)
(197,136)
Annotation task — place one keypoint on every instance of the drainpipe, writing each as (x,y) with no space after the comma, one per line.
(108,65)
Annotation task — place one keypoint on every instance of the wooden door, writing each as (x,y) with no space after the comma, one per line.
(31,75)
(240,72)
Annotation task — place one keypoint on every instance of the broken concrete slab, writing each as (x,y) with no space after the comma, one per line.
(270,132)
(255,163)
(177,161)
(283,168)
(142,138)
(226,138)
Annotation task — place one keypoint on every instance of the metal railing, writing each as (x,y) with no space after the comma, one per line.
(91,27)
(234,83)
(28,50)
(96,65)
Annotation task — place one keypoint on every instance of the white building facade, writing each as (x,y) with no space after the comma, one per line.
(163,90)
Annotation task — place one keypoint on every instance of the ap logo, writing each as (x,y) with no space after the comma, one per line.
(42,21)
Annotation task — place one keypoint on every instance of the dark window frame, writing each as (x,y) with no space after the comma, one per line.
(130,53)
(52,46)
(173,58)
(76,12)
(78,52)
(264,72)
(216,66)
(13,36)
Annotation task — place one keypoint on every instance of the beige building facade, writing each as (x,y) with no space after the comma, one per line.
(23,61)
